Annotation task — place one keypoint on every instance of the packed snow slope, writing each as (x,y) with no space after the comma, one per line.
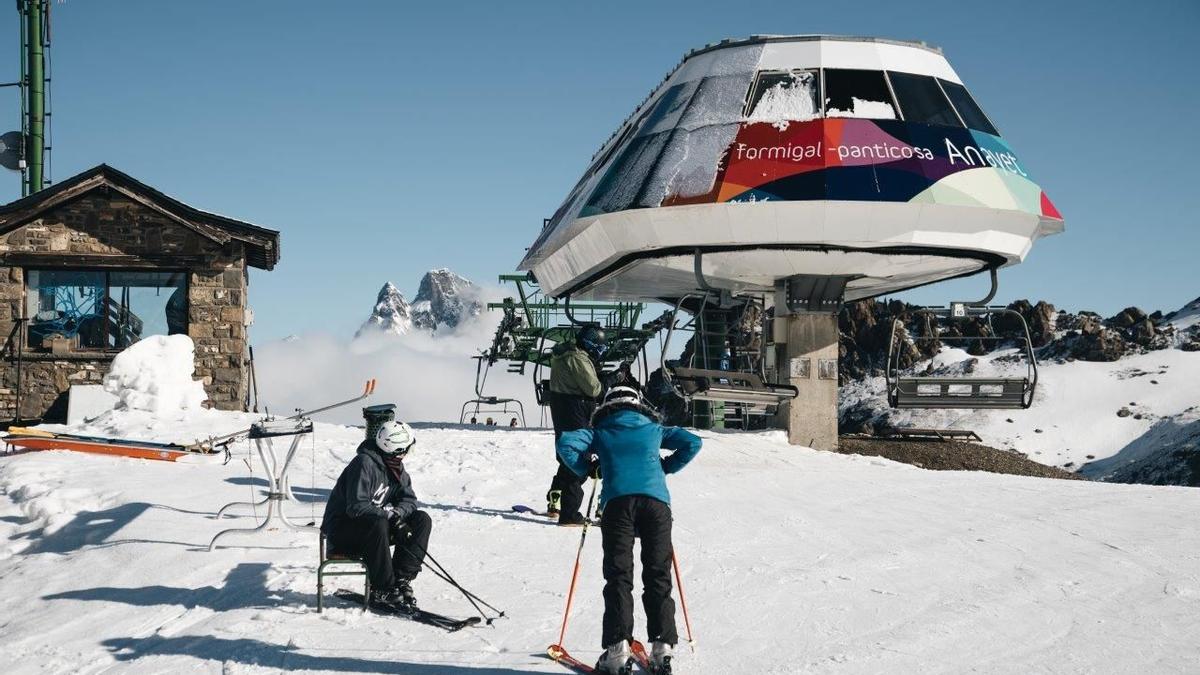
(794,561)
(1082,410)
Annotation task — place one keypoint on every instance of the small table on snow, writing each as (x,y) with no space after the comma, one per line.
(278,487)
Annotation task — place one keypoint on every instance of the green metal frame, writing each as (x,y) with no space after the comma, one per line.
(35,42)
(322,572)
(532,320)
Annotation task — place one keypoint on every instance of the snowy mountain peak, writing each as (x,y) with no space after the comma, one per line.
(445,300)
(392,313)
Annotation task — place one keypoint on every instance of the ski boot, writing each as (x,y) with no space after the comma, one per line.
(617,659)
(553,503)
(388,600)
(660,658)
(407,599)
(569,520)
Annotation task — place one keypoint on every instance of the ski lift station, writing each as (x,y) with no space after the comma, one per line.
(793,173)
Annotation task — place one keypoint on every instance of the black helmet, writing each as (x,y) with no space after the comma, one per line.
(591,340)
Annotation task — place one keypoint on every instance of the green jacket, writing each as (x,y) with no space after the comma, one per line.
(572,372)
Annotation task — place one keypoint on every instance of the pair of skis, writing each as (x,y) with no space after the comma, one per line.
(557,653)
(449,624)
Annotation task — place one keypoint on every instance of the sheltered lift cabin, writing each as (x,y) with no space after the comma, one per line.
(807,171)
(101,260)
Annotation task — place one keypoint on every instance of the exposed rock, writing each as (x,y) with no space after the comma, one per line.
(444,300)
(392,313)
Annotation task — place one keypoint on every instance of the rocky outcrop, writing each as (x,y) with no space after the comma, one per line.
(392,313)
(444,300)
(866,328)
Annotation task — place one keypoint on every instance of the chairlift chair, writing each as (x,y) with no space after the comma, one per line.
(940,391)
(481,402)
(745,388)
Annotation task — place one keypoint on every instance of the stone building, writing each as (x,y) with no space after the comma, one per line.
(101,260)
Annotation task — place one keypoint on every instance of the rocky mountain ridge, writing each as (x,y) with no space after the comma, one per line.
(444,301)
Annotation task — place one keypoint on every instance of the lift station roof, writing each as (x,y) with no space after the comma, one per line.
(777,156)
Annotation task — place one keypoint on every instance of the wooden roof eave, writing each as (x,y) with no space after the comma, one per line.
(87,185)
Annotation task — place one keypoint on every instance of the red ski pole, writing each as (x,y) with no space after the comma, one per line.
(575,574)
(683,601)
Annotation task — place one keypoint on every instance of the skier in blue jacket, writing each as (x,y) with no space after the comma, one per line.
(626,437)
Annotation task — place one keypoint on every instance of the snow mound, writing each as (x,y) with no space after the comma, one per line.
(155,375)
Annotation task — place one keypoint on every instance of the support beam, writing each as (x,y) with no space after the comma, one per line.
(810,363)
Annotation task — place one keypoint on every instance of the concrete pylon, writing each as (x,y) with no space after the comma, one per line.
(811,365)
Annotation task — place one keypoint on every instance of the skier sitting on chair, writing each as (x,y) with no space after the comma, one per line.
(627,436)
(371,507)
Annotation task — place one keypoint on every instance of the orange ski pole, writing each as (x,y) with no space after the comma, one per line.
(575,574)
(683,601)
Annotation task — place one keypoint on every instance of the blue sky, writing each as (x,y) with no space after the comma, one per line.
(387,138)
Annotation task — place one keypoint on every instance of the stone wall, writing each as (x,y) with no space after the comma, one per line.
(99,224)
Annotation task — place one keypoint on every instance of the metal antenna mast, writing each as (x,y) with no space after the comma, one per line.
(35,41)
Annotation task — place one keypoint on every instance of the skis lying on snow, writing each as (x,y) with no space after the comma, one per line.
(557,653)
(529,510)
(442,621)
(36,439)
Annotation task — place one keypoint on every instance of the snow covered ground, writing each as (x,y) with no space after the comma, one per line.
(793,560)
(1074,418)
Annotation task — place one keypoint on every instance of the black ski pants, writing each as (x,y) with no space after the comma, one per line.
(372,538)
(569,485)
(569,412)
(650,520)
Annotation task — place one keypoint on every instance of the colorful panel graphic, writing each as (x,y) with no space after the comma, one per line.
(837,159)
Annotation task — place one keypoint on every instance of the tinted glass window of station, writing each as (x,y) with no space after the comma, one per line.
(95,309)
(858,93)
(785,95)
(922,101)
(967,108)
(146,303)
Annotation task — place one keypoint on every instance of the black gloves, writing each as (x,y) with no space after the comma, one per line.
(594,465)
(395,525)
(663,462)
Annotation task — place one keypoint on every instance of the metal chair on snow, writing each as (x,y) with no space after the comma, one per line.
(339,560)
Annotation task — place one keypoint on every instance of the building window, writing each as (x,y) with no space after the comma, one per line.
(103,310)
(970,112)
(785,96)
(922,101)
(858,93)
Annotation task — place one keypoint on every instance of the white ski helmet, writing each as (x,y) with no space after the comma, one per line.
(395,438)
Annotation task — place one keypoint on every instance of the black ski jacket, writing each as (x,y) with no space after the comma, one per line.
(365,488)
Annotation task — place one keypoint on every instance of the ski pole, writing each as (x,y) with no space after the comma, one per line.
(562,634)
(683,601)
(445,576)
(441,572)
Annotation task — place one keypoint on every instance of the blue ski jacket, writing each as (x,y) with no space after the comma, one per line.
(627,443)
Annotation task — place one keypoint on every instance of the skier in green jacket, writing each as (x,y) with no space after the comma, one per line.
(574,390)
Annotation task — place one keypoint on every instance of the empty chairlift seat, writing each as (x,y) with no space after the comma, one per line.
(730,387)
(941,391)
